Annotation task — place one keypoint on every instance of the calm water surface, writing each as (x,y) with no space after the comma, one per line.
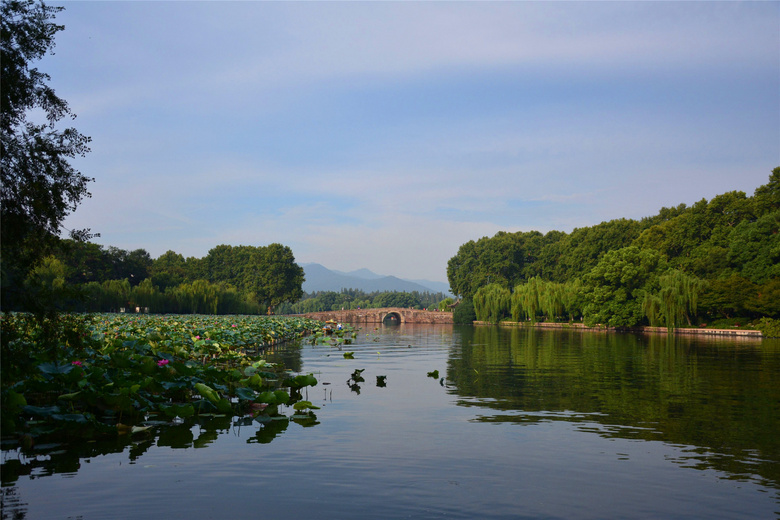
(518,424)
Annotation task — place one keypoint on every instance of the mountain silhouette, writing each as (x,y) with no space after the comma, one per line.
(320,278)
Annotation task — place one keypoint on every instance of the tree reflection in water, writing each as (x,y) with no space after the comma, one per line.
(718,397)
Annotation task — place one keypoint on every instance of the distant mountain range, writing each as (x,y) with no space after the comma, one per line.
(320,278)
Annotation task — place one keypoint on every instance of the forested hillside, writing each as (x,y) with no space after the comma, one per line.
(715,259)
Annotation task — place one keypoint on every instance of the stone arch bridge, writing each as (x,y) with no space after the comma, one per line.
(385,315)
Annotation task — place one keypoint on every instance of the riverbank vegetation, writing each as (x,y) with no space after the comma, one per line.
(87,277)
(715,261)
(107,374)
(84,276)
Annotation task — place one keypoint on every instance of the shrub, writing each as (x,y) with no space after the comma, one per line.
(769,328)
(464,312)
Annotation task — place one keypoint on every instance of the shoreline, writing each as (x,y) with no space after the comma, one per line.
(746,333)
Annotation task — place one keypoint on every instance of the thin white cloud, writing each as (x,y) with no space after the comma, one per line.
(385,135)
(266,48)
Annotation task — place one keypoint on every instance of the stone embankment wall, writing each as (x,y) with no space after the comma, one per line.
(579,326)
(378,316)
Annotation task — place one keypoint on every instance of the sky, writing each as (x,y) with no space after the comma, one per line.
(384,135)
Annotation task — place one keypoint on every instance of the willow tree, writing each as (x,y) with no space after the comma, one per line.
(492,302)
(551,300)
(679,297)
(651,305)
(115,294)
(47,279)
(525,299)
(146,294)
(571,297)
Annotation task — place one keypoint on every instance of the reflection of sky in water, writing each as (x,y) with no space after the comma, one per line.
(418,448)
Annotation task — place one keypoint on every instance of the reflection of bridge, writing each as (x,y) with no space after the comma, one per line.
(386,315)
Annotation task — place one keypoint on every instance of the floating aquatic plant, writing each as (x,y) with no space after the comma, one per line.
(124,369)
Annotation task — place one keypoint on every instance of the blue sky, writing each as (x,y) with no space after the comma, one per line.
(386,134)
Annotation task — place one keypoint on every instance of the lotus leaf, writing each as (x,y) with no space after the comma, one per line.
(303,405)
(14,400)
(54,368)
(118,372)
(266,397)
(70,417)
(301,381)
(246,394)
(178,410)
(207,392)
(41,411)
(282,397)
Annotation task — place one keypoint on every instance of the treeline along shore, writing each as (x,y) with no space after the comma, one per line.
(730,333)
(714,264)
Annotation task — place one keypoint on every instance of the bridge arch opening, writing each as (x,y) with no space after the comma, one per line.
(391,318)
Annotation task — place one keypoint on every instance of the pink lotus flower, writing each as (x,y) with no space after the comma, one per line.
(77,363)
(162,362)
(197,337)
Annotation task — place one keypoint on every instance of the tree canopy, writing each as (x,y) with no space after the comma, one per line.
(40,187)
(719,257)
(229,279)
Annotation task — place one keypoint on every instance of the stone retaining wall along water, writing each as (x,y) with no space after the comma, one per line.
(737,333)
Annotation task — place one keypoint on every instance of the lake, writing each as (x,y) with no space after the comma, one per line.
(517,423)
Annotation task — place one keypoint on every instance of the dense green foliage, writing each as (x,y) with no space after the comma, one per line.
(491,302)
(615,288)
(553,300)
(108,373)
(464,313)
(769,328)
(229,280)
(40,187)
(717,258)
